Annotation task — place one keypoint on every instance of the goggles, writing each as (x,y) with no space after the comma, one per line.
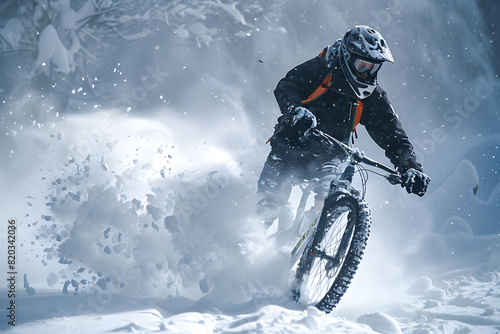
(363,66)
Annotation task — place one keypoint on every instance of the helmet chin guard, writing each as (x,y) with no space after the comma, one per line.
(364,45)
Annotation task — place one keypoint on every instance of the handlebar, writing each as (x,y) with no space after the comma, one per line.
(334,144)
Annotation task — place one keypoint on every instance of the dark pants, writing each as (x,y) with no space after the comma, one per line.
(287,165)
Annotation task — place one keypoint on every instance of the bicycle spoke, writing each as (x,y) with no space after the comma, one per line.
(328,256)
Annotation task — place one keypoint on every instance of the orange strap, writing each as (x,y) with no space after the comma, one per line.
(320,90)
(359,111)
(323,88)
(327,81)
(324,85)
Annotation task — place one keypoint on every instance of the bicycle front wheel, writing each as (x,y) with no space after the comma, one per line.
(328,265)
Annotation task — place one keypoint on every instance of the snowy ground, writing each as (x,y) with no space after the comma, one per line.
(455,304)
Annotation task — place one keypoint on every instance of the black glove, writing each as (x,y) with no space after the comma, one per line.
(415,181)
(302,119)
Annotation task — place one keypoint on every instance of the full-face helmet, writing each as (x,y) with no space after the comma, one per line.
(362,52)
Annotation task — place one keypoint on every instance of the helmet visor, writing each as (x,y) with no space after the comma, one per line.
(364,67)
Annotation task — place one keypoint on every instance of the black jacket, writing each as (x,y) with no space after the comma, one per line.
(334,112)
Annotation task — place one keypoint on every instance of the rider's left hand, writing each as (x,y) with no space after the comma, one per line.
(302,119)
(415,182)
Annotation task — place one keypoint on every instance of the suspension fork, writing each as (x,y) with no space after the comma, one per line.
(348,173)
(302,208)
(343,183)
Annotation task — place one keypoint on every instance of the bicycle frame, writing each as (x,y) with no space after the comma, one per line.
(343,183)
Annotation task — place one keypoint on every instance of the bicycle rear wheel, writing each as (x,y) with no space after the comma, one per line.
(328,265)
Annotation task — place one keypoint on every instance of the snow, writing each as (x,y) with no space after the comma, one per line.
(465,304)
(52,52)
(271,319)
(11,32)
(233,11)
(458,303)
(143,221)
(380,322)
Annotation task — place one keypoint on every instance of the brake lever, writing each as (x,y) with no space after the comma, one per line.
(358,155)
(393,178)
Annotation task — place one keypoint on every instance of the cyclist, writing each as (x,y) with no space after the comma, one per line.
(333,92)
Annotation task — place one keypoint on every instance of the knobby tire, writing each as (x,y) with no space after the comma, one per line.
(352,243)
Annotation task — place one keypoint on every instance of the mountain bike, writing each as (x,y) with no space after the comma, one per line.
(327,256)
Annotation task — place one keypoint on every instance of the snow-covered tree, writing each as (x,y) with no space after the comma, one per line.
(52,42)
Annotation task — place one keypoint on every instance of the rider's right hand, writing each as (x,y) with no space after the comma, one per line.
(302,119)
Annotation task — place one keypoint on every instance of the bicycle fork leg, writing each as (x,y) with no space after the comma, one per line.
(301,209)
(319,204)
